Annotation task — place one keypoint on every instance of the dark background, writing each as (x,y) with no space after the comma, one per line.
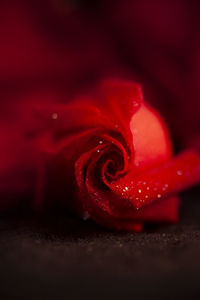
(58,257)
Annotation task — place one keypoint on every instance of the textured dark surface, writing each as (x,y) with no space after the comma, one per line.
(57,257)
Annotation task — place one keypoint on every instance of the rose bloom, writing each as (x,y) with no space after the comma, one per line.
(106,155)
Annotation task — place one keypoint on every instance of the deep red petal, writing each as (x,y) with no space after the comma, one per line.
(174,176)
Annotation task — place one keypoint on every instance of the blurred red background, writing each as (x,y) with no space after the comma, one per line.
(52,50)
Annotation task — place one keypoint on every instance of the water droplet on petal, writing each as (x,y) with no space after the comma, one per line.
(139,191)
(135,104)
(179,173)
(159,195)
(54,116)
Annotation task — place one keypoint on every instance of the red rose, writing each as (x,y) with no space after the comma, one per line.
(108,156)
